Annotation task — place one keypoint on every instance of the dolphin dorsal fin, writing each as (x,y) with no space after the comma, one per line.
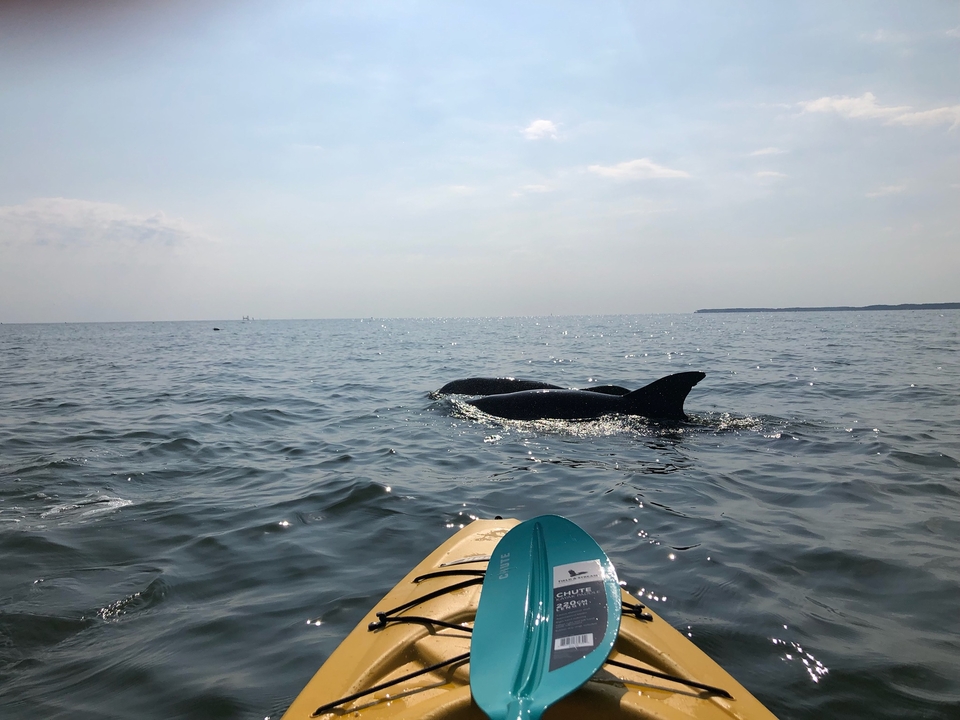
(663,399)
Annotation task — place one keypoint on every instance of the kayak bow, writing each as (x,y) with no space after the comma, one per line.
(409,657)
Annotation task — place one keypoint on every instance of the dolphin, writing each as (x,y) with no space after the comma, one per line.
(499,386)
(660,400)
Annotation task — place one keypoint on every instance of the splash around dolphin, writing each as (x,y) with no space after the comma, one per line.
(660,400)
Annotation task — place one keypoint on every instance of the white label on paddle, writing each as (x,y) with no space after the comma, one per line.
(579,611)
(576,573)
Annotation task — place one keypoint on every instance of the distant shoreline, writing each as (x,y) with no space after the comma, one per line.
(838,308)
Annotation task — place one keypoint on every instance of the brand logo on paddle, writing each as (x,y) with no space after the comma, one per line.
(504,567)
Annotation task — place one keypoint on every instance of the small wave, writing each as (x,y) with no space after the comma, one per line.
(151,596)
(928,460)
(144,435)
(23,634)
(259,418)
(86,509)
(361,493)
(178,447)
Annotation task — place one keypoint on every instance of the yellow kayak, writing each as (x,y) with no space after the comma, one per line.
(409,657)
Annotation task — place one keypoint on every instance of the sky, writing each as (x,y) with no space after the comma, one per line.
(213,159)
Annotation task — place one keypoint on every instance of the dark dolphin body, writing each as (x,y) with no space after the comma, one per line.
(662,400)
(499,386)
(492,386)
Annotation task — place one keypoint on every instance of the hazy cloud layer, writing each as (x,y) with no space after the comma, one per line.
(71,223)
(82,260)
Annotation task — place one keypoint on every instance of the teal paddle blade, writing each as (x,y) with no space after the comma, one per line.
(549,614)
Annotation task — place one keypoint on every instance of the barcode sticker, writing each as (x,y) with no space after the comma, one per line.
(573,641)
(579,611)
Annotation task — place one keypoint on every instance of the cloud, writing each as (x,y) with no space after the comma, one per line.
(954,32)
(884,36)
(770,174)
(71,223)
(937,116)
(887,190)
(532,189)
(641,169)
(539,129)
(461,190)
(866,106)
(767,151)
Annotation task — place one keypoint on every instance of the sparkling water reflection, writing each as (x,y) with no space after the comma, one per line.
(191,521)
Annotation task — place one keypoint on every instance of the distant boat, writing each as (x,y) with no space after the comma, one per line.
(247,318)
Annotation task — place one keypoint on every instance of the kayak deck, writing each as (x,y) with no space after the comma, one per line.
(409,642)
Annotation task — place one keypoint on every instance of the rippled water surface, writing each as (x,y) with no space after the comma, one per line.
(191,520)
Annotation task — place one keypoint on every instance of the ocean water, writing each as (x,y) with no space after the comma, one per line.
(191,520)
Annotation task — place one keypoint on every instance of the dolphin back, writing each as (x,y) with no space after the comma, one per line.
(608,389)
(663,399)
(503,385)
(492,386)
(549,404)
